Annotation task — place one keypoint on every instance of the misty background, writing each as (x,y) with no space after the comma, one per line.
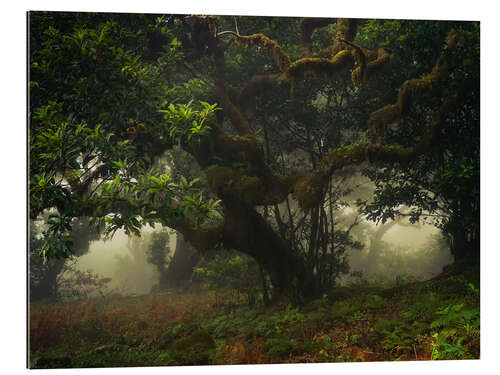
(135,276)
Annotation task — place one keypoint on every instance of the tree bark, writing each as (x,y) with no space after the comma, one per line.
(47,288)
(246,230)
(181,266)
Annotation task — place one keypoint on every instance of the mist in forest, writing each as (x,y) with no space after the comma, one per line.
(422,247)
(115,258)
(392,250)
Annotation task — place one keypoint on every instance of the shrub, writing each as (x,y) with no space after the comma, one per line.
(197,348)
(232,276)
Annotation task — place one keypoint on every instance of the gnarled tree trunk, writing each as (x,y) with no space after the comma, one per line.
(181,266)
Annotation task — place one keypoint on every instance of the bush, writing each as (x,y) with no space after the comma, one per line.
(279,347)
(232,276)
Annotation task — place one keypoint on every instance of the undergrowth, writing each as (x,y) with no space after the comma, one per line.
(423,320)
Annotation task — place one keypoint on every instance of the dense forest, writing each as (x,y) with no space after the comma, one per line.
(254,169)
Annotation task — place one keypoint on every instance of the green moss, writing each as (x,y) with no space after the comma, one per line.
(228,181)
(219,177)
(361,76)
(309,189)
(412,91)
(206,237)
(227,145)
(280,57)
(249,189)
(319,66)
(308,192)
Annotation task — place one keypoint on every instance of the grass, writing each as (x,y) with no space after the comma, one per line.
(436,319)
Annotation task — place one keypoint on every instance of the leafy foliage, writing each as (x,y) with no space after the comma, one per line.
(435,319)
(440,187)
(229,277)
(96,86)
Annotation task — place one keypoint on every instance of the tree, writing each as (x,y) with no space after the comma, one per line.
(158,255)
(46,275)
(181,266)
(442,186)
(100,163)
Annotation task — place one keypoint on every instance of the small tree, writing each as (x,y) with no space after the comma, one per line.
(158,253)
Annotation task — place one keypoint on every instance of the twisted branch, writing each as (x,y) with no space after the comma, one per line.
(411,92)
(307,27)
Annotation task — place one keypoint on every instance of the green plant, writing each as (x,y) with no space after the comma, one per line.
(230,277)
(457,327)
(456,316)
(280,347)
(356,316)
(188,124)
(196,348)
(441,349)
(374,301)
(423,308)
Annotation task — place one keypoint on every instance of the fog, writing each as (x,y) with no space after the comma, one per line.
(391,250)
(130,272)
(412,236)
(132,275)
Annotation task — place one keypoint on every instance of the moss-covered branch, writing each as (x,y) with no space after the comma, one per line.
(320,66)
(259,185)
(346,31)
(204,238)
(227,182)
(237,119)
(413,91)
(341,56)
(365,71)
(307,27)
(281,58)
(309,188)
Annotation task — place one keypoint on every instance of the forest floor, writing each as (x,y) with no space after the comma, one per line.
(422,320)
